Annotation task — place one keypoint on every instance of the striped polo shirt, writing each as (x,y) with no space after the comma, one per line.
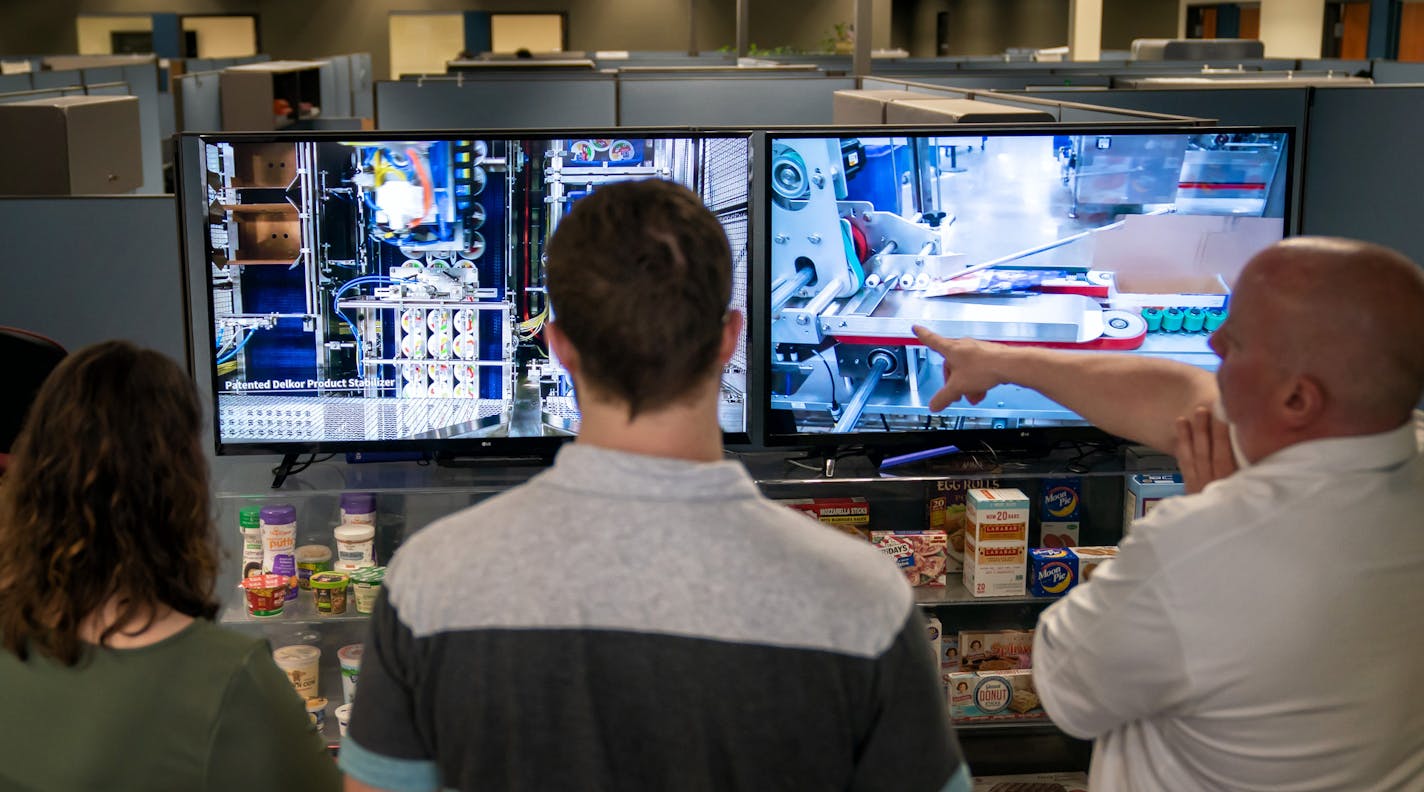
(634,622)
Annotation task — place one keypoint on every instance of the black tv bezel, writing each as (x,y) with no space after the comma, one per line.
(199,308)
(1000,440)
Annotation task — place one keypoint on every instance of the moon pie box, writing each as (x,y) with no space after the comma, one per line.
(1052,571)
(1060,512)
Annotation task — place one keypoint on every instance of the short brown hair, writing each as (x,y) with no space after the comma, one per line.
(106,497)
(640,276)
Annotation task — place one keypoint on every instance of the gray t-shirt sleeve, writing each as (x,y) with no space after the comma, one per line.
(909,744)
(263,737)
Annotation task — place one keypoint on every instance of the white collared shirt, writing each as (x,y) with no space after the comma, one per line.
(1265,634)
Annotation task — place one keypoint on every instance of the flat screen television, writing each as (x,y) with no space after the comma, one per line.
(385,291)
(1123,239)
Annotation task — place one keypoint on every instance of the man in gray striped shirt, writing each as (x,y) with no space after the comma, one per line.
(639,616)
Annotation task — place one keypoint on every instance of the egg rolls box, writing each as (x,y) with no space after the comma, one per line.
(993,696)
(851,515)
(919,554)
(945,512)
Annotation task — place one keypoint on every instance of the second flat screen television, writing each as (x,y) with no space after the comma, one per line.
(1126,240)
(388,291)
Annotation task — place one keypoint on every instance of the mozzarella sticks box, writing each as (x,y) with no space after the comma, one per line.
(851,515)
(996,542)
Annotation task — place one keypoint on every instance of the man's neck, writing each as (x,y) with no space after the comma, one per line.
(688,432)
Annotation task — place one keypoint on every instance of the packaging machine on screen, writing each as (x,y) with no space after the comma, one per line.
(1111,240)
(371,290)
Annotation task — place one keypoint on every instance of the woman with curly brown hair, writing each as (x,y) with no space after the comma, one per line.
(112,674)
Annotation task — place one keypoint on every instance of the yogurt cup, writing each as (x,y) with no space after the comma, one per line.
(350,657)
(329,588)
(300,663)
(343,718)
(266,594)
(367,583)
(316,710)
(310,560)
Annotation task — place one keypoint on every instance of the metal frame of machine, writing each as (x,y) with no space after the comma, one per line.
(846,277)
(398,258)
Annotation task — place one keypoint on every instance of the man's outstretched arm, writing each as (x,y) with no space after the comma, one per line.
(1131,396)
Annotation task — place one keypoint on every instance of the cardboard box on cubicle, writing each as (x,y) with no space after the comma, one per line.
(858,106)
(71,145)
(927,109)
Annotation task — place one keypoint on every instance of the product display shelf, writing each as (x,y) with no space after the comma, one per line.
(302,610)
(955,594)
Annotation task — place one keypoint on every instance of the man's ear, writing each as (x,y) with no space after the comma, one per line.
(560,345)
(731,334)
(1304,403)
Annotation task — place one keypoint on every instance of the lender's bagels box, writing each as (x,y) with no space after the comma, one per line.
(1145,491)
(995,542)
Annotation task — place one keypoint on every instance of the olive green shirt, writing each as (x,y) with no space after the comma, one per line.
(204,709)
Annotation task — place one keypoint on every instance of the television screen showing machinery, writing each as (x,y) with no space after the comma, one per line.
(376,290)
(1115,240)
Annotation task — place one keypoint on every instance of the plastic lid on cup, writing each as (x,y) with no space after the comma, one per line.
(358,502)
(369,575)
(247,517)
(279,514)
(313,554)
(350,654)
(330,580)
(265,582)
(354,532)
(296,654)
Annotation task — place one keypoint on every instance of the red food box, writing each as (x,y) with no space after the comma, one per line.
(919,554)
(851,515)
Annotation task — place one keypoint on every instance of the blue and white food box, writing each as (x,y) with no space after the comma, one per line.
(1146,490)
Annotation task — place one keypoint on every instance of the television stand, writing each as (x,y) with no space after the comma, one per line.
(284,469)
(454,460)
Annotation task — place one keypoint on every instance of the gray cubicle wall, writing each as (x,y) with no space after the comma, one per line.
(363,93)
(199,102)
(1008,82)
(1069,110)
(117,283)
(12,83)
(727,101)
(56,79)
(46,93)
(1394,72)
(496,102)
(1248,106)
(1361,176)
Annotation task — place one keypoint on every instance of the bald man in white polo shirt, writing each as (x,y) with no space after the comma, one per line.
(1264,631)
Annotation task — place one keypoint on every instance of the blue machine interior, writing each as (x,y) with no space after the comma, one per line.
(377,290)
